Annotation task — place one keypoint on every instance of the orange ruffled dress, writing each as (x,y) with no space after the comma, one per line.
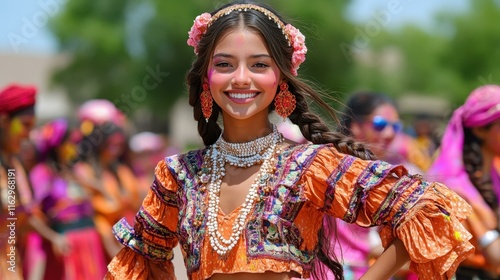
(310,181)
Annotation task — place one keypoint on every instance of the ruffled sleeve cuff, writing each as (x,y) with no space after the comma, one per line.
(432,232)
(128,264)
(149,243)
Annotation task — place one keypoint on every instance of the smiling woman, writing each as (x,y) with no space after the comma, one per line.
(250,204)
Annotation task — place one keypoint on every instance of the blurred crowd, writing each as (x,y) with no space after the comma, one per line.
(76,177)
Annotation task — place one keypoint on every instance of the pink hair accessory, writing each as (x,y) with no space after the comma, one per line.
(146,142)
(292,34)
(299,47)
(197,30)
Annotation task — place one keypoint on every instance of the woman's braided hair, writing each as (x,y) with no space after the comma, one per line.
(473,162)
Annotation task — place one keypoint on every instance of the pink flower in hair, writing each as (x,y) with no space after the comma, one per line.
(197,30)
(292,34)
(297,40)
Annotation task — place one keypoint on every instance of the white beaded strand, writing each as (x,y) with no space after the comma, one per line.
(249,153)
(218,158)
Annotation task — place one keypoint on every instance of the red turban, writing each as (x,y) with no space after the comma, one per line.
(16,97)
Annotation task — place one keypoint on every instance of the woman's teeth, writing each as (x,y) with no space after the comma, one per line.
(242,95)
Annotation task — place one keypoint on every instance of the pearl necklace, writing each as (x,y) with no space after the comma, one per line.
(249,153)
(220,244)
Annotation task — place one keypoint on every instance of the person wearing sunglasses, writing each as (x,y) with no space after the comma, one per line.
(372,118)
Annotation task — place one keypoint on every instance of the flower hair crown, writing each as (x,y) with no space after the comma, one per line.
(292,34)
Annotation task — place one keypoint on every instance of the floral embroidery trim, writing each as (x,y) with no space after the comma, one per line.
(294,37)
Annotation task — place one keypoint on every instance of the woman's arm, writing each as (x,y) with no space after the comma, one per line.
(482,223)
(425,216)
(391,260)
(41,179)
(60,244)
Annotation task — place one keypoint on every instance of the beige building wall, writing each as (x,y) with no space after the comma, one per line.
(35,69)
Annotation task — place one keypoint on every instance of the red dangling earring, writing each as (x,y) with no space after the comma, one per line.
(284,102)
(206,102)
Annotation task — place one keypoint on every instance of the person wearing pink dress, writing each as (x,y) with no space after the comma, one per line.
(67,208)
(468,162)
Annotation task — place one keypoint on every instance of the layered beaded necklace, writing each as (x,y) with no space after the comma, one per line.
(244,155)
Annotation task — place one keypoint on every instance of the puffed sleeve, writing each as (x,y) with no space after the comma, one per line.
(425,216)
(148,251)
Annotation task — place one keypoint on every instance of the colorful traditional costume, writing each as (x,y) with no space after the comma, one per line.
(116,188)
(68,210)
(276,228)
(280,233)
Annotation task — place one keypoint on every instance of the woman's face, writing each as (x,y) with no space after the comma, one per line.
(17,130)
(114,147)
(67,151)
(379,129)
(242,75)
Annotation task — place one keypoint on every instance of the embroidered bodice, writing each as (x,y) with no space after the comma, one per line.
(280,235)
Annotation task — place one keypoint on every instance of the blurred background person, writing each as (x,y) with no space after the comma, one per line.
(17,118)
(102,166)
(373,118)
(405,149)
(67,207)
(18,242)
(426,136)
(29,154)
(147,149)
(469,163)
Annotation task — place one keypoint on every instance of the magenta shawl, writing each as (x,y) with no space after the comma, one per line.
(482,107)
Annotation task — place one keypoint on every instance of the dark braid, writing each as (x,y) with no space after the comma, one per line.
(210,131)
(473,162)
(316,131)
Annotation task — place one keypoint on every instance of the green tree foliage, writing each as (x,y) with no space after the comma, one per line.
(115,46)
(130,52)
(473,49)
(135,54)
(457,55)
(406,61)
